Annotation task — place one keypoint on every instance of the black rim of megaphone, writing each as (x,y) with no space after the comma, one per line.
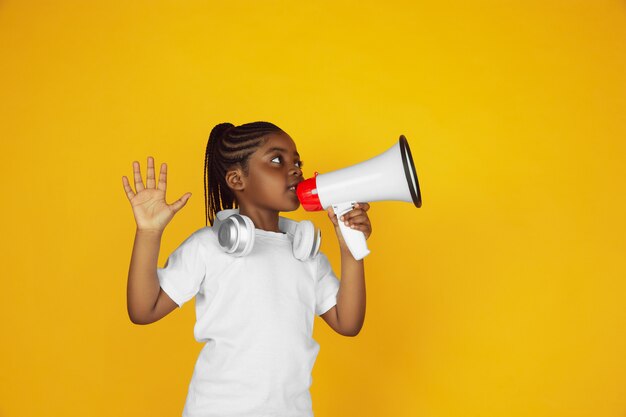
(405,150)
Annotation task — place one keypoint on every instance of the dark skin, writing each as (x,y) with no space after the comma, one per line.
(261,195)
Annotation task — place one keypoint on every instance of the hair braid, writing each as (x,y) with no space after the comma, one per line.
(229,145)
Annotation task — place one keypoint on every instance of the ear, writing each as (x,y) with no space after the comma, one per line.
(235,179)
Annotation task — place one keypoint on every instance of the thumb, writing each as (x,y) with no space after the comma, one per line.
(332,215)
(180,203)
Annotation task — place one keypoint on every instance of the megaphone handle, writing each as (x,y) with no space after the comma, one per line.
(355,239)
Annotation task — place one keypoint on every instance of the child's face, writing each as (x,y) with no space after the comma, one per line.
(272,169)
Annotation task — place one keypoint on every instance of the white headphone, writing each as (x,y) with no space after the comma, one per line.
(235,233)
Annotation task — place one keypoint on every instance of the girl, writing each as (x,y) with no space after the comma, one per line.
(254,310)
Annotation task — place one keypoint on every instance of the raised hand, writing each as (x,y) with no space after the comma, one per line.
(152,213)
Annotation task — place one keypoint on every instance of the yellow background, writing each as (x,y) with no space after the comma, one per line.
(504,295)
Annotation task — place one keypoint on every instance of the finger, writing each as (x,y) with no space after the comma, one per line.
(180,203)
(364,206)
(163,177)
(357,219)
(129,191)
(332,216)
(361,227)
(150,181)
(137,174)
(358,223)
(352,213)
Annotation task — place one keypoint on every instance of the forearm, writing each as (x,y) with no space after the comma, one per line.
(143,284)
(351,296)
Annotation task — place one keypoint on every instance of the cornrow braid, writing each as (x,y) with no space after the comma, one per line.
(229,145)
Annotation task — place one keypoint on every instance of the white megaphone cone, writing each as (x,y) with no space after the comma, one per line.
(388,176)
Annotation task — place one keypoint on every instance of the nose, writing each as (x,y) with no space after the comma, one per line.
(295,171)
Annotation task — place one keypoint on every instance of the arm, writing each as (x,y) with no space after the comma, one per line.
(146,301)
(348,316)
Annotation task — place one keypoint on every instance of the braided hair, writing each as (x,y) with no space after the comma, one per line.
(229,145)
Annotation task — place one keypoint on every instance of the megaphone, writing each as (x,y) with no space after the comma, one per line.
(388,176)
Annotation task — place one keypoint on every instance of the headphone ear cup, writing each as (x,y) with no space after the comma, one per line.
(304,240)
(318,242)
(248,230)
(236,235)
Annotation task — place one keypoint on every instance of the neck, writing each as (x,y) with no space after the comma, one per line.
(263,219)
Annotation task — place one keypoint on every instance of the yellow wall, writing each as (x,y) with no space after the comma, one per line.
(502,296)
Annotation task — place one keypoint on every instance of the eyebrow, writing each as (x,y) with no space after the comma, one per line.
(276,148)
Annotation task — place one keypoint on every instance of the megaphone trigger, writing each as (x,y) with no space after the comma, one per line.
(342,208)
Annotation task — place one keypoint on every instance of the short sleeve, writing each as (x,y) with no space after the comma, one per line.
(326,285)
(184,271)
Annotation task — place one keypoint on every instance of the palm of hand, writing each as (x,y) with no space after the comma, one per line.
(150,209)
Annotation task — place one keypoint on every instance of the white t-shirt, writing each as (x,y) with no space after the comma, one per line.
(256,315)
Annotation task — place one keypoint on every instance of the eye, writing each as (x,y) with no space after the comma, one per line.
(300,163)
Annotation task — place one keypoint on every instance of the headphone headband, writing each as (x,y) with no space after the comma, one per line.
(236,233)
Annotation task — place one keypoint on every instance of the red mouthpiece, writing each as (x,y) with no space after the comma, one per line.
(307,194)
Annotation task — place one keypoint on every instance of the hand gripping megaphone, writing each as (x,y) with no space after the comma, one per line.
(388,176)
